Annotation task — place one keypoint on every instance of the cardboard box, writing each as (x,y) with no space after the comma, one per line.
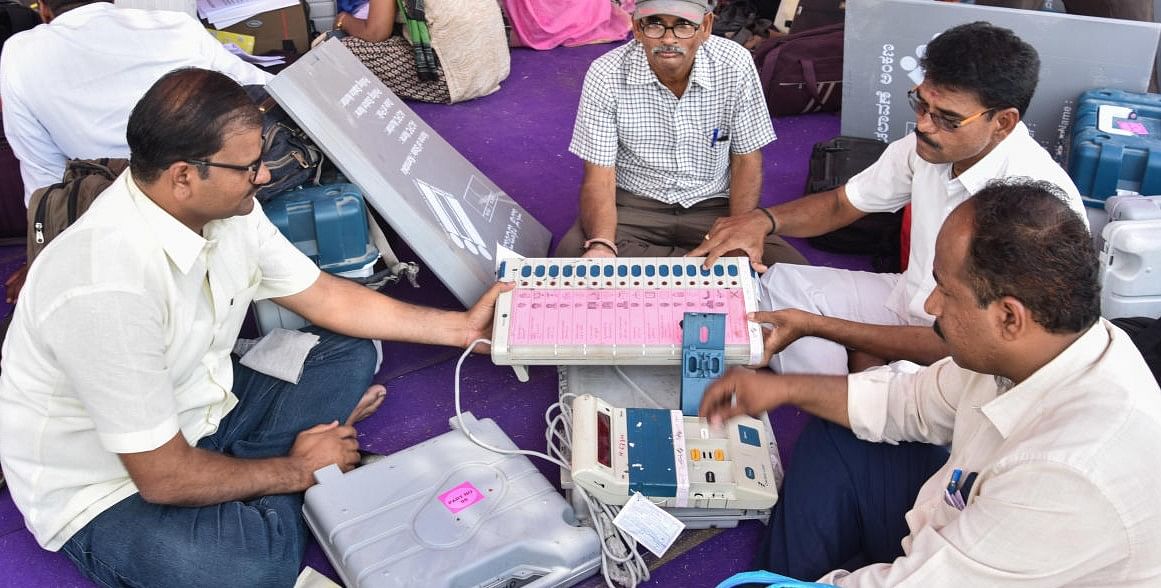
(271,28)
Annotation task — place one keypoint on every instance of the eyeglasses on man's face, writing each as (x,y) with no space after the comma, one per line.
(942,121)
(250,169)
(656,29)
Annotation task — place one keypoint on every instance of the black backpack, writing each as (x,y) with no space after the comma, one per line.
(832,164)
(291,156)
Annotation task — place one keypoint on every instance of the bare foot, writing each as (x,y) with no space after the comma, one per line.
(370,402)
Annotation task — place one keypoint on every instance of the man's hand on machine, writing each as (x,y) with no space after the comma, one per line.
(478,318)
(323,445)
(740,391)
(780,328)
(744,233)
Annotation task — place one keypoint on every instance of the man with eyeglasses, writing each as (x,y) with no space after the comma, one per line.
(670,128)
(979,81)
(131,439)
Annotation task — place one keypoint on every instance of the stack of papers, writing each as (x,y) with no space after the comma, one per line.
(224,13)
(259,60)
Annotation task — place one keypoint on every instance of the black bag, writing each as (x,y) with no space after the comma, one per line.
(802,72)
(1146,335)
(812,14)
(832,164)
(15,17)
(291,156)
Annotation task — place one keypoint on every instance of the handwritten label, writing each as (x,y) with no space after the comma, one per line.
(461,497)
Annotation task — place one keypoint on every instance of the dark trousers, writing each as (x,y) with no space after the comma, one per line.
(843,502)
(650,228)
(257,542)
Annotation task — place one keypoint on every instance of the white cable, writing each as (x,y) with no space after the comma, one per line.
(464,427)
(621,563)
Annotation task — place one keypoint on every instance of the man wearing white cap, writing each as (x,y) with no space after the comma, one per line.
(670,128)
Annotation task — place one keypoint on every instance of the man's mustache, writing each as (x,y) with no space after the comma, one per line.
(669,49)
(938,331)
(926,139)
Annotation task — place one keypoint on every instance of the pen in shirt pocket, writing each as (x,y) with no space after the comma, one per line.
(718,137)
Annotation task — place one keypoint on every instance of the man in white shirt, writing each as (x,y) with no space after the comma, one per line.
(979,81)
(67,86)
(129,436)
(1052,417)
(670,127)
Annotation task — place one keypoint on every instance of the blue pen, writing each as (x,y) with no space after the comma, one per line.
(954,483)
(714,141)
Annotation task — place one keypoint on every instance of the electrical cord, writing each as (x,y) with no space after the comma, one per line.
(621,563)
(464,427)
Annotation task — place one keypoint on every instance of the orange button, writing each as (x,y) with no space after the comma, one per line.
(719,455)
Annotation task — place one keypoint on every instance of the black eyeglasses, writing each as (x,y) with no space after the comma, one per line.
(942,121)
(681,30)
(252,169)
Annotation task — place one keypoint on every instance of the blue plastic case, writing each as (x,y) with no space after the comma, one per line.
(327,223)
(1116,144)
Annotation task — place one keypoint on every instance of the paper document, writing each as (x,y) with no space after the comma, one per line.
(245,42)
(259,60)
(648,524)
(225,13)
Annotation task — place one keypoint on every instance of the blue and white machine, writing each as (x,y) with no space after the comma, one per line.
(676,461)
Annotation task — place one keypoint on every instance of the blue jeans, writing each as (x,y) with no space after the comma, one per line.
(256,542)
(843,502)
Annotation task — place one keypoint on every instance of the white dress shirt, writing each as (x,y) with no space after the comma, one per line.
(664,147)
(122,338)
(901,176)
(1067,462)
(68,86)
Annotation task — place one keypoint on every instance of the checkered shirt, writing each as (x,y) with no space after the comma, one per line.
(662,146)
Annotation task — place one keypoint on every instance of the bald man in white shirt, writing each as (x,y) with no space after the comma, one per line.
(1052,417)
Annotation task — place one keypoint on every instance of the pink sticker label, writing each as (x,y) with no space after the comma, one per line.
(461,497)
(1132,126)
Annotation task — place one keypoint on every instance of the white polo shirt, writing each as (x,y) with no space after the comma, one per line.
(1066,464)
(901,176)
(120,339)
(68,86)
